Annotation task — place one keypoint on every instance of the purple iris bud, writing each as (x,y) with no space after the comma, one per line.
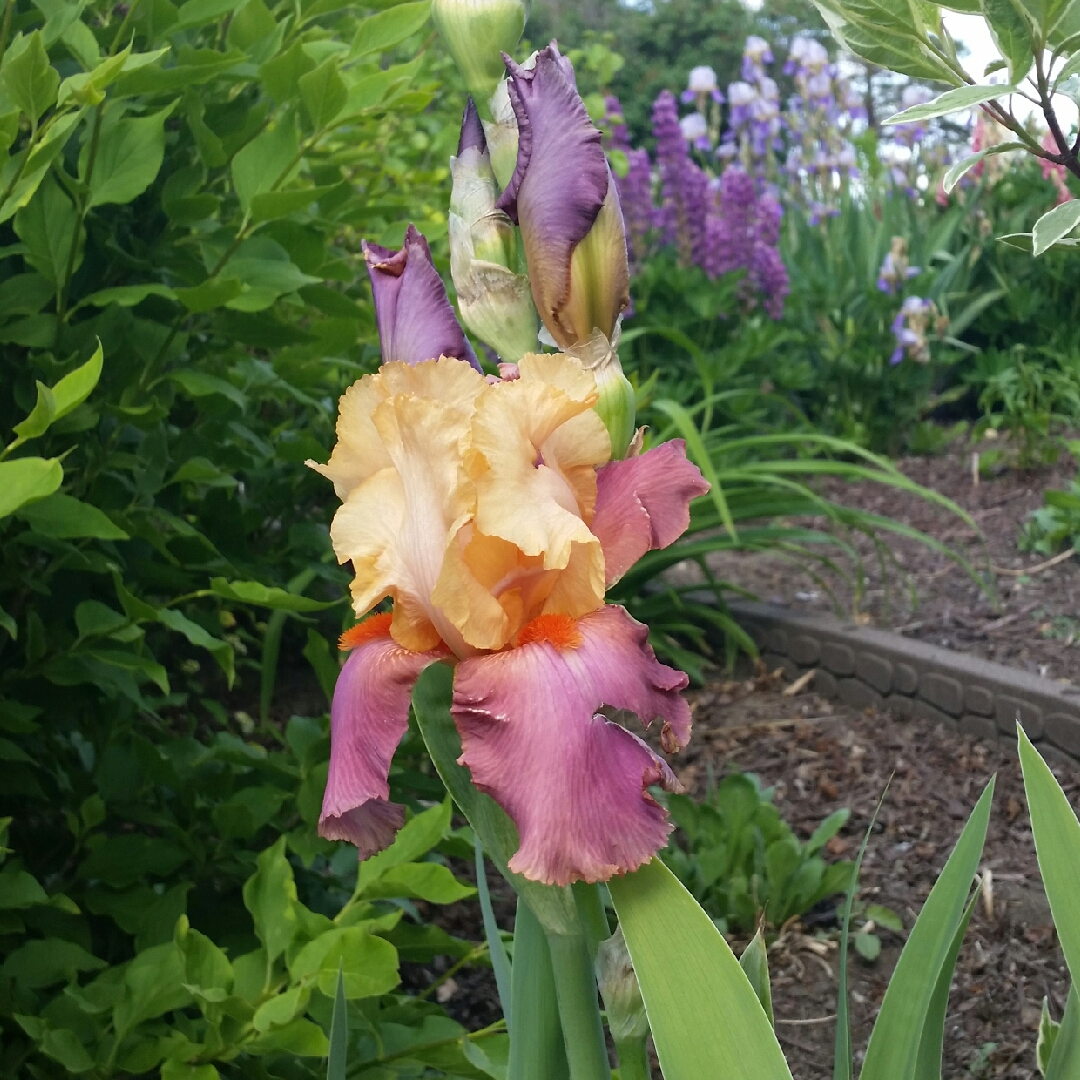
(415,318)
(563,197)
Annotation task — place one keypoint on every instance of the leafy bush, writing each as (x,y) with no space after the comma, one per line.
(741,860)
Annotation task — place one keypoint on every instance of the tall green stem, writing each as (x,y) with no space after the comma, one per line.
(633,1058)
(579,1007)
(536,1043)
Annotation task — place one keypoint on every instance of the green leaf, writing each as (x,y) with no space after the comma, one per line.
(1057,844)
(270,896)
(415,838)
(201,384)
(266,161)
(129,157)
(153,985)
(47,226)
(1064,1063)
(1011,29)
(26,479)
(205,965)
(88,87)
(323,93)
(221,650)
(337,1058)
(200,12)
(252,592)
(422,881)
(40,963)
(500,962)
(705,1017)
(1055,225)
(75,387)
(960,168)
(66,518)
(24,172)
(280,1009)
(212,293)
(962,97)
(323,662)
(388,28)
(128,295)
(281,76)
(301,1037)
(18,889)
(29,78)
(755,963)
(868,946)
(893,1050)
(369,964)
(268,205)
(63,1046)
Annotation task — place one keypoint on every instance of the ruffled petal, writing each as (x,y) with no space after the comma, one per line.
(359,452)
(416,320)
(534,483)
(574,782)
(369,715)
(559,184)
(643,504)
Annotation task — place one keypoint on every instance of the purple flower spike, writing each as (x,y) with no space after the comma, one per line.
(556,194)
(415,319)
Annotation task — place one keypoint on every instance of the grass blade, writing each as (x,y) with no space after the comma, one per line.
(339,1033)
(1065,1057)
(496,949)
(1057,844)
(706,1020)
(931,1046)
(894,1043)
(842,1057)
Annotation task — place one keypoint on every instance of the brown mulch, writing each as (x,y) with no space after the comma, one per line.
(1030,621)
(820,758)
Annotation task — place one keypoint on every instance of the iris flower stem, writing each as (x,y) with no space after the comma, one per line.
(633,1058)
(536,1043)
(579,1007)
(590,908)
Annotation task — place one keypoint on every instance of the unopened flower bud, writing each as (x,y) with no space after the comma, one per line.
(495,301)
(502,132)
(477,33)
(619,989)
(617,405)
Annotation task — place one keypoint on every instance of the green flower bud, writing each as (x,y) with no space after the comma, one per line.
(477,33)
(495,301)
(619,989)
(502,133)
(617,406)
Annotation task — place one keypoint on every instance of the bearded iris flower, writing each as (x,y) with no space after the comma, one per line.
(491,514)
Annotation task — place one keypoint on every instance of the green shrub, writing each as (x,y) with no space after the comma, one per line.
(741,860)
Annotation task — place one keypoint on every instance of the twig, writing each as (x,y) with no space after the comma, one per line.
(811,1020)
(766,724)
(1038,567)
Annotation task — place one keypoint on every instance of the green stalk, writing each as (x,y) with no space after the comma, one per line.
(579,1007)
(536,1043)
(633,1058)
(591,912)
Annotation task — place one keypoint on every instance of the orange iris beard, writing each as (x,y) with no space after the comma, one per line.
(558,630)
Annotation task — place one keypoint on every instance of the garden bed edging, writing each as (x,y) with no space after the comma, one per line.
(867,668)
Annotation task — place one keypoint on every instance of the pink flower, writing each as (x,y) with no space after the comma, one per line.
(492,516)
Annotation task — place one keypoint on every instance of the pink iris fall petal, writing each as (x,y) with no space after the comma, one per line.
(415,318)
(574,782)
(368,718)
(643,504)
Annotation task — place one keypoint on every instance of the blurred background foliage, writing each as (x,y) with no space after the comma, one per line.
(183,192)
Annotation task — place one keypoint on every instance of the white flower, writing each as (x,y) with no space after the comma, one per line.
(693,127)
(702,80)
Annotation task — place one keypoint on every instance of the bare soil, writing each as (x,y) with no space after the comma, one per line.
(1027,617)
(820,758)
